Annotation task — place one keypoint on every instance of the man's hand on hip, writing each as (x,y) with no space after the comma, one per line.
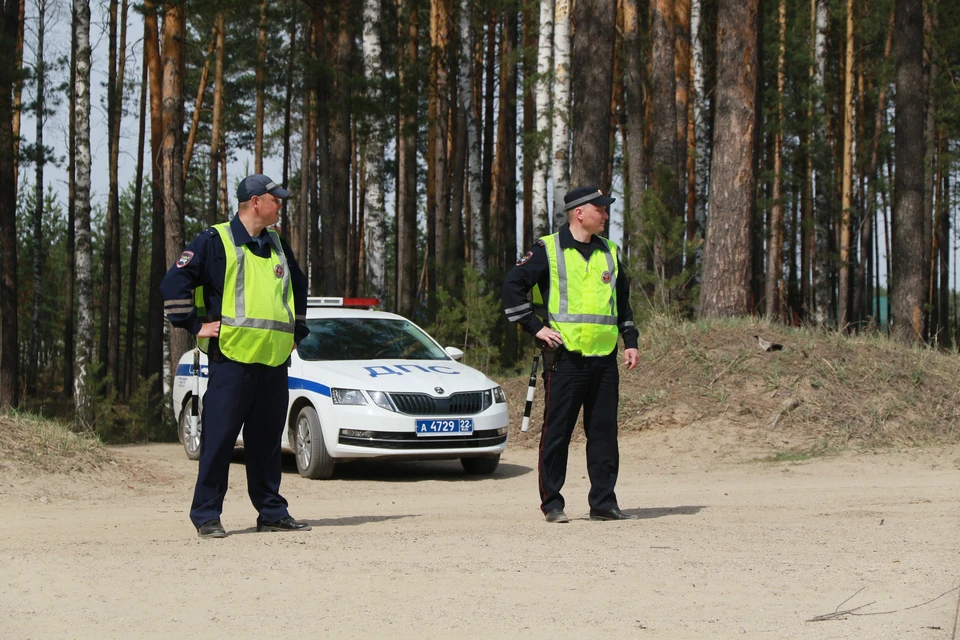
(209,330)
(551,337)
(631,357)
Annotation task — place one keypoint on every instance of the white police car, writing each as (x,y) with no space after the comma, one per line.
(370,384)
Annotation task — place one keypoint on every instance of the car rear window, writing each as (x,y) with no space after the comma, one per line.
(367,339)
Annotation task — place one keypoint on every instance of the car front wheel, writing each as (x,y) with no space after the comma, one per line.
(313,461)
(481,466)
(191,444)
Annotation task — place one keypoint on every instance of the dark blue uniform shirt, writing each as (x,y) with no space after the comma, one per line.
(204,263)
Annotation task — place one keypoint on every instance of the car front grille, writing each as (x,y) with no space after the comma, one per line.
(393,440)
(459,404)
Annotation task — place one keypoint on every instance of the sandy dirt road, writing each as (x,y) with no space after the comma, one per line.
(726,547)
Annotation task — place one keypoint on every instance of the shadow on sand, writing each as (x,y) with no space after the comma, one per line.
(404,470)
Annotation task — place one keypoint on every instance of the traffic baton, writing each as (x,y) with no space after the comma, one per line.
(531,388)
(195,400)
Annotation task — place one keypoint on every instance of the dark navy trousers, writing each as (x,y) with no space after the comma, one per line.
(592,383)
(252,396)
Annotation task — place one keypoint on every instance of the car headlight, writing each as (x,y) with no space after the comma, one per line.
(347,396)
(382,400)
(499,396)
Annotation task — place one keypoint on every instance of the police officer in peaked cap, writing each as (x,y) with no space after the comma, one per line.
(580,304)
(237,288)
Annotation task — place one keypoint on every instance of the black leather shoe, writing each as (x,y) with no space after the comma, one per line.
(557,515)
(284,524)
(211,529)
(611,514)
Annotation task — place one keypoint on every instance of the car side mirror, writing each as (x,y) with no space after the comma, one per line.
(454,353)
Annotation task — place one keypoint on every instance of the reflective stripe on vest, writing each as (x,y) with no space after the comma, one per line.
(253,329)
(582,308)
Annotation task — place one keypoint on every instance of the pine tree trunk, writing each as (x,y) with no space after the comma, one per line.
(846,204)
(458,235)
(213,187)
(872,172)
(18,93)
(592,84)
(113,333)
(528,56)
(39,106)
(353,227)
(909,242)
(224,193)
(560,131)
(260,75)
(407,160)
(173,37)
(774,288)
(335,247)
(635,176)
(943,230)
(666,177)
(85,384)
(299,230)
(681,69)
(129,378)
(287,106)
(930,159)
(106,263)
(440,41)
(726,267)
(153,363)
(198,103)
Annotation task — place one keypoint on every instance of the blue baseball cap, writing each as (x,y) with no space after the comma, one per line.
(257,185)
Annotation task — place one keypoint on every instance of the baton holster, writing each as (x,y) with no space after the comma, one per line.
(549,355)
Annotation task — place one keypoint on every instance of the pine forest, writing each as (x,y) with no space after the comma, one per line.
(788,159)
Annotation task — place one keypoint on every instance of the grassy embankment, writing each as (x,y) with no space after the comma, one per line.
(822,392)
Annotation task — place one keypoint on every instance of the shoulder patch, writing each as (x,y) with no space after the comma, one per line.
(184,259)
(525,258)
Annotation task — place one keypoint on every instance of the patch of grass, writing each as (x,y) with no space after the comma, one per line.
(48,444)
(853,391)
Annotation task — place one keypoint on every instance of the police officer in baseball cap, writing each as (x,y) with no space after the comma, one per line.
(248,325)
(257,185)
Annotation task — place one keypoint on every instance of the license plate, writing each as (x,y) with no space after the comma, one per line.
(452,427)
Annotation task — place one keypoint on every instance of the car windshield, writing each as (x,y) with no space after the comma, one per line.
(367,339)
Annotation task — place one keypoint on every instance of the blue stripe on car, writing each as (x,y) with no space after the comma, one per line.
(309,385)
(187,370)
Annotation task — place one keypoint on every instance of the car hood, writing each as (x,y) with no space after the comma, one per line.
(416,376)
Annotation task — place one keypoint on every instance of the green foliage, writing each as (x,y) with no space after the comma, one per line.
(468,321)
(668,287)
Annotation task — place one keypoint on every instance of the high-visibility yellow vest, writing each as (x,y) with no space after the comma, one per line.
(582,302)
(256,318)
